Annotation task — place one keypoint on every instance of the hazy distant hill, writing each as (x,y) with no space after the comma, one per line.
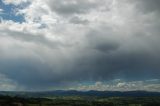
(82,93)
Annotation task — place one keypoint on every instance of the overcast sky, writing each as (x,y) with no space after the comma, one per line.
(80,44)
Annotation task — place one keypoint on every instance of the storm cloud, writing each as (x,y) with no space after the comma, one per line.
(63,43)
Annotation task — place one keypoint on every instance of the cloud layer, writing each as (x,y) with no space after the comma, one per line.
(120,85)
(62,43)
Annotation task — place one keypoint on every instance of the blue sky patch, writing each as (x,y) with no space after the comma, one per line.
(8,12)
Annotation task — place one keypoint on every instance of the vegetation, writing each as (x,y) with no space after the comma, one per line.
(79,101)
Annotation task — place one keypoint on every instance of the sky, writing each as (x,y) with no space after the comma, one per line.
(79,45)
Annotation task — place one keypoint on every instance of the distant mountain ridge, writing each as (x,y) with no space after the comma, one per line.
(81,93)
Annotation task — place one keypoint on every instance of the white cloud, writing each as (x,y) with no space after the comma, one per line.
(120,86)
(15,2)
(1,10)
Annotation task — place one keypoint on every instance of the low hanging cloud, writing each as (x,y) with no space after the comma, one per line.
(63,43)
(119,85)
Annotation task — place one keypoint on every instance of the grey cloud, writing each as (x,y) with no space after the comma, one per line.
(147,6)
(32,38)
(128,66)
(103,40)
(31,73)
(77,20)
(7,84)
(104,57)
(72,7)
(130,59)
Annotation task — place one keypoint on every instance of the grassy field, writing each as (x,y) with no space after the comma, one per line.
(80,101)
